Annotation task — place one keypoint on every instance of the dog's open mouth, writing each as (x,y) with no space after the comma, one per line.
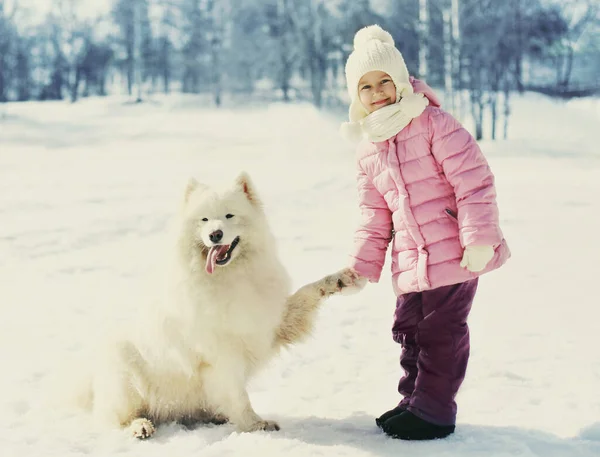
(220,254)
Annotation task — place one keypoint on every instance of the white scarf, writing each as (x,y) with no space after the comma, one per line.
(388,121)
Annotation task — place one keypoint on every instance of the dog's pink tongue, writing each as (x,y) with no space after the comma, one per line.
(211,258)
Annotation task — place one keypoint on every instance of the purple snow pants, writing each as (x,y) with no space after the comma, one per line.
(432,328)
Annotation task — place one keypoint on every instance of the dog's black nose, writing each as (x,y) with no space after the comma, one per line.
(216,236)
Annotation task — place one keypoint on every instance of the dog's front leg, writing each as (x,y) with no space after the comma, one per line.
(226,393)
(301,307)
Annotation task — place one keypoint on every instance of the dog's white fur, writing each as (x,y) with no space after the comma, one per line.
(195,351)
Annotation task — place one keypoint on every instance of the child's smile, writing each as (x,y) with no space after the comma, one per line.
(376,90)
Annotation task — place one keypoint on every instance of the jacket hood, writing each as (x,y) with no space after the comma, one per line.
(422,88)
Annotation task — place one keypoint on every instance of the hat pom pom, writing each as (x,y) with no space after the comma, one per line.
(414,104)
(351,131)
(372,32)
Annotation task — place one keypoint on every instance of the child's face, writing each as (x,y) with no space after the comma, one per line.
(376,90)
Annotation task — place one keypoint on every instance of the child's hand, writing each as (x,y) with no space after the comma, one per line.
(475,258)
(358,282)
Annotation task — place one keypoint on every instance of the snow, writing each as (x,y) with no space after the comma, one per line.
(86,191)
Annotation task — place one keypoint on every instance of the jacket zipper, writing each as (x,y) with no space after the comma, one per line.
(451,213)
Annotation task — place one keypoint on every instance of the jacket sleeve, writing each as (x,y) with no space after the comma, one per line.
(374,232)
(468,172)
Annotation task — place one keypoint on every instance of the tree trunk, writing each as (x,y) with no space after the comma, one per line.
(284,50)
(448,74)
(23,73)
(166,77)
(519,50)
(457,70)
(102,84)
(2,80)
(75,85)
(166,65)
(566,77)
(137,49)
(130,72)
(317,77)
(494,112)
(423,35)
(478,121)
(86,85)
(57,81)
(559,67)
(477,106)
(217,89)
(317,58)
(286,74)
(506,107)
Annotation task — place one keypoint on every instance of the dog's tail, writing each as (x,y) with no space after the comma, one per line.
(83,393)
(70,387)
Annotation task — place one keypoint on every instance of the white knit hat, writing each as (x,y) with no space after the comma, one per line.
(374,50)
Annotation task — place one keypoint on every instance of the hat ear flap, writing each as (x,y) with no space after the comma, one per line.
(357,111)
(351,131)
(403,90)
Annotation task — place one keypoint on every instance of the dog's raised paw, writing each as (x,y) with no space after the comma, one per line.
(346,281)
(352,281)
(142,429)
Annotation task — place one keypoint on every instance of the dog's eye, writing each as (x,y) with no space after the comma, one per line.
(229,216)
(205,219)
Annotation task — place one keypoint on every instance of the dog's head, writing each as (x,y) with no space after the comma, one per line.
(223,226)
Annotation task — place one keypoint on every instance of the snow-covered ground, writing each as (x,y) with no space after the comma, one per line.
(86,191)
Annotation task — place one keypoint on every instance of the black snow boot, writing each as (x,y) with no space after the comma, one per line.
(407,426)
(389,414)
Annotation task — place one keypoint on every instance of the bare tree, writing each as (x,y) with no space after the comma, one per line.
(310,21)
(194,44)
(22,70)
(449,86)
(7,36)
(456,100)
(484,48)
(578,21)
(216,15)
(135,38)
(284,33)
(70,34)
(165,46)
(137,48)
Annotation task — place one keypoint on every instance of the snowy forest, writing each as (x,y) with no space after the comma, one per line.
(477,51)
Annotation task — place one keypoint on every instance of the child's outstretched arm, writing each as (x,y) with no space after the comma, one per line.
(374,232)
(468,172)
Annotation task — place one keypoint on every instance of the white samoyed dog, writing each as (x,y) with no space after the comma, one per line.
(227,311)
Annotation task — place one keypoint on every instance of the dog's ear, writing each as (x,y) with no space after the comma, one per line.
(244,184)
(191,186)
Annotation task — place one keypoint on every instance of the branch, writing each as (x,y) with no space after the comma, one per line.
(579,27)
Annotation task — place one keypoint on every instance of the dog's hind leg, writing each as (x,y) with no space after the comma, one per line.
(201,417)
(301,307)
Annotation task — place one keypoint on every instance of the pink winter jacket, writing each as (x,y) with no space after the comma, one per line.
(428,190)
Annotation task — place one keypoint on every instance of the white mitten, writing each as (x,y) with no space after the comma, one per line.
(475,258)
